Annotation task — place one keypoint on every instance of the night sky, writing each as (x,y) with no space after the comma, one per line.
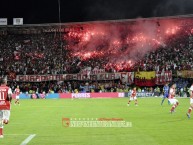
(47,11)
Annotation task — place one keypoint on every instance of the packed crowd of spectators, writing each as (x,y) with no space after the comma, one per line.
(49,53)
(176,55)
(45,53)
(102,86)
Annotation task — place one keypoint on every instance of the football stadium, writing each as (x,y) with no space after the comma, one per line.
(102,82)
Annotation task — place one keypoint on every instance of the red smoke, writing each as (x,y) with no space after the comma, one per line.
(125,42)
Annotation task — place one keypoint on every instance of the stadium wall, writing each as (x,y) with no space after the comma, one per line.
(75,95)
(85,95)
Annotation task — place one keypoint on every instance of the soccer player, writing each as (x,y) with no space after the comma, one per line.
(166,93)
(5,99)
(191,102)
(133,97)
(173,101)
(17,92)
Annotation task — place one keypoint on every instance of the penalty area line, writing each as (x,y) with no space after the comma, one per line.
(28,139)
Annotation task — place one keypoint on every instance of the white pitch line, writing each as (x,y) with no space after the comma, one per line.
(28,139)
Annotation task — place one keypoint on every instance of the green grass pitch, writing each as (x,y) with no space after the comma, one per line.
(152,124)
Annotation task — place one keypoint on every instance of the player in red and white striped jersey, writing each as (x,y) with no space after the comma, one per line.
(173,101)
(191,102)
(133,96)
(5,104)
(17,92)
